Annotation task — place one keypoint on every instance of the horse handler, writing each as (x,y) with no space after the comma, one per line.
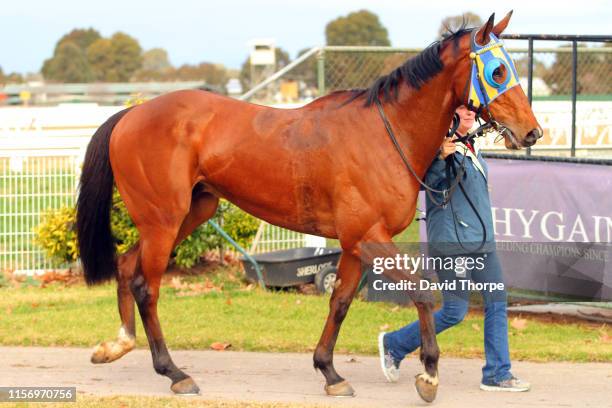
(461,230)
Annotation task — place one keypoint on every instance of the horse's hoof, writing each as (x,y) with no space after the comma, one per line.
(109,351)
(426,386)
(99,355)
(185,387)
(341,389)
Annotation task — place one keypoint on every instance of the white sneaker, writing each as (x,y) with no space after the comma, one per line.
(510,385)
(389,366)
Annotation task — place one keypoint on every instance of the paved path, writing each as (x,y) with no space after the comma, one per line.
(289,377)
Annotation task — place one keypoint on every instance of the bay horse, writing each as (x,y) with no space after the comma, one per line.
(327,168)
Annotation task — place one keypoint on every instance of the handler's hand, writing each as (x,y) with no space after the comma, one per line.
(448,147)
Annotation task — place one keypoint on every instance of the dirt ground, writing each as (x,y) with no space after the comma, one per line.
(290,377)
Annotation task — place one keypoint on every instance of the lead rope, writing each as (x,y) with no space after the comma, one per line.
(451,168)
(446,193)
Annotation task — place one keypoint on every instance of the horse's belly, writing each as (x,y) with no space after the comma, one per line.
(272,192)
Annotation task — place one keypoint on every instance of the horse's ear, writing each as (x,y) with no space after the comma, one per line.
(482,36)
(501,26)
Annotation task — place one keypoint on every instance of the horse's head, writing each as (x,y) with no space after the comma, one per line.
(486,81)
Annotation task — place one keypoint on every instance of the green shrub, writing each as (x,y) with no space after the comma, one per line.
(57,236)
(188,252)
(123,228)
(240,227)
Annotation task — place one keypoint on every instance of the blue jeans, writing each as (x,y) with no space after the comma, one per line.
(454,308)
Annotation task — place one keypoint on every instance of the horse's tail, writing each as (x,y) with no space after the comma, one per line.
(95,239)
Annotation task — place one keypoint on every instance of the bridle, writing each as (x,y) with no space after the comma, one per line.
(477,94)
(477,97)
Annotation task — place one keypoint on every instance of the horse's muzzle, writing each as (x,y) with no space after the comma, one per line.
(532,137)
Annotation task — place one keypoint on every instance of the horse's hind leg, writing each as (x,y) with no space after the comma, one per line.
(346,285)
(109,351)
(203,207)
(156,243)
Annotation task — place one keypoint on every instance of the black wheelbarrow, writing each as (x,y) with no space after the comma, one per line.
(292,267)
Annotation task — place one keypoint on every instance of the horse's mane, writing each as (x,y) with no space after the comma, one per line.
(415,71)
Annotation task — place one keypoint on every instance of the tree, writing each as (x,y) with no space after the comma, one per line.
(102,61)
(71,45)
(68,64)
(114,59)
(155,66)
(344,70)
(12,78)
(213,74)
(453,23)
(127,55)
(81,37)
(358,28)
(156,60)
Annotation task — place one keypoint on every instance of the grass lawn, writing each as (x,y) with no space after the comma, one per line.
(224,310)
(166,402)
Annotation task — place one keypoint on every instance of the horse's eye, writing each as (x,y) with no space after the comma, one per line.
(499,74)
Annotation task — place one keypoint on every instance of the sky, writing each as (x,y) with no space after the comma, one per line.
(218,31)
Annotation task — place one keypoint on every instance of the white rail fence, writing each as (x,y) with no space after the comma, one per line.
(30,185)
(272,238)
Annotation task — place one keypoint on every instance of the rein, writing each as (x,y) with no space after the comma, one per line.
(447,192)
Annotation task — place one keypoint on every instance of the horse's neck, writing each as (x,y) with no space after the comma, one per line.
(422,117)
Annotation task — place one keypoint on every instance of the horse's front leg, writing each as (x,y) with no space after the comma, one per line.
(426,383)
(349,273)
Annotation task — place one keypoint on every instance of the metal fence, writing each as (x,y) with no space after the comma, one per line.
(548,70)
